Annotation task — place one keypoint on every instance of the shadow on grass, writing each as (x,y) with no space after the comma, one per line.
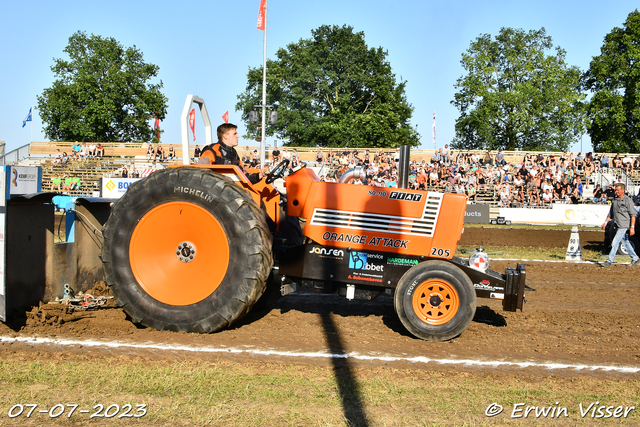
(348,388)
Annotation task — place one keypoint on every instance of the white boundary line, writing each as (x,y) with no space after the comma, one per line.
(317,355)
(544,260)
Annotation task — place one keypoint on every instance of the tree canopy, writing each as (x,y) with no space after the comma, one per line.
(517,96)
(614,77)
(332,90)
(101,93)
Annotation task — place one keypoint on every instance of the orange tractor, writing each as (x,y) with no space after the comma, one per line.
(193,248)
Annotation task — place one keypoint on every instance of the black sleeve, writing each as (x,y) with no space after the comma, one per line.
(254,178)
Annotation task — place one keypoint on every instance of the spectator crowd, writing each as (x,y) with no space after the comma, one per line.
(536,180)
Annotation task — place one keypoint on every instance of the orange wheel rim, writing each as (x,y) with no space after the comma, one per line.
(179,253)
(435,302)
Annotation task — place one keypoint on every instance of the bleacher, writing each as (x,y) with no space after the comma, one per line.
(132,156)
(117,156)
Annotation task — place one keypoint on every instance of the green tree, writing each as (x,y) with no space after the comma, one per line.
(332,90)
(517,96)
(614,77)
(101,93)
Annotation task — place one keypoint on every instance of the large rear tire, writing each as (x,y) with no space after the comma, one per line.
(435,300)
(186,249)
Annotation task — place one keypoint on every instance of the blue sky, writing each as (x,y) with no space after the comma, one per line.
(206,47)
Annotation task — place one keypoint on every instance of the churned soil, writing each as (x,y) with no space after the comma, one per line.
(579,314)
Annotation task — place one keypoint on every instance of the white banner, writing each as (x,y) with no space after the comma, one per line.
(25,180)
(588,215)
(114,188)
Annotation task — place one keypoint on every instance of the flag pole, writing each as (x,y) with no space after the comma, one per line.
(32,111)
(264,91)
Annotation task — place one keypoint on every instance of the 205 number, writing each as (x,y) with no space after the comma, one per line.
(439,252)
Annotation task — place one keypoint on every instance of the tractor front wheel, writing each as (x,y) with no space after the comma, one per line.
(186,249)
(435,300)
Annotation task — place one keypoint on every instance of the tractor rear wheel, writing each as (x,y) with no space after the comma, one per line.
(186,249)
(435,300)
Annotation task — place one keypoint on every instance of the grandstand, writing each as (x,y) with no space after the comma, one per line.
(134,157)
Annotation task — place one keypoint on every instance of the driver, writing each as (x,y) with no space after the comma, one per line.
(224,153)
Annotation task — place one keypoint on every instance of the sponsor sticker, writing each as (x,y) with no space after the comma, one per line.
(402,261)
(328,253)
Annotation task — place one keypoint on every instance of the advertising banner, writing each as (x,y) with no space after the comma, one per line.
(25,180)
(588,215)
(114,188)
(477,213)
(4,195)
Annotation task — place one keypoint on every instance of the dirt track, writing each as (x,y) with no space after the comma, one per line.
(579,314)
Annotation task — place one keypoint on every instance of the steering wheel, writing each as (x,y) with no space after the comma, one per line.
(277,172)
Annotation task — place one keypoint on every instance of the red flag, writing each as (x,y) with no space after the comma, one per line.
(225,117)
(156,126)
(261,14)
(192,122)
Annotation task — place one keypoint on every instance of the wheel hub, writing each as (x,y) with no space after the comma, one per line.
(435,300)
(186,251)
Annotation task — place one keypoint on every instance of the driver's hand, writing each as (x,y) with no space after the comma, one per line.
(264,172)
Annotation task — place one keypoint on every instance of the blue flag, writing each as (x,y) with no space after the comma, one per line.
(28,119)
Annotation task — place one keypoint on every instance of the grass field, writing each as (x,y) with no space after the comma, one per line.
(225,393)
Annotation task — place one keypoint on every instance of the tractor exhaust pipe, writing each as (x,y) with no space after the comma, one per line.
(403,166)
(351,174)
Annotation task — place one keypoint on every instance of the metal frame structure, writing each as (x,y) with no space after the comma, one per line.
(184,125)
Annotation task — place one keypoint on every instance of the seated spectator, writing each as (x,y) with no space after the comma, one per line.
(255,160)
(504,197)
(481,179)
(610,192)
(135,173)
(575,196)
(75,182)
(472,193)
(151,152)
(56,183)
(500,160)
(599,195)
(558,191)
(57,161)
(577,183)
(534,196)
(487,160)
(518,183)
(617,161)
(627,163)
(275,156)
(159,153)
(67,183)
(171,154)
(547,198)
(92,149)
(99,150)
(527,160)
(604,161)
(125,173)
(436,157)
(65,158)
(84,151)
(196,154)
(75,149)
